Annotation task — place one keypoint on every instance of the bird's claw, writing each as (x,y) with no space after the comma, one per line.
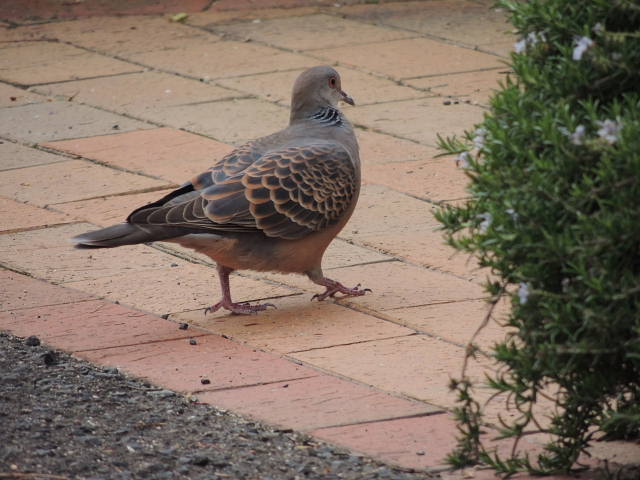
(339,288)
(241,308)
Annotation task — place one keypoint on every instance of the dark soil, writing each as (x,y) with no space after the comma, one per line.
(65,418)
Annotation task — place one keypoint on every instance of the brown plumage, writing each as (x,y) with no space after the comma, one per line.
(273,204)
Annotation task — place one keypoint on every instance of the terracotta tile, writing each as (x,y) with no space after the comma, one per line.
(138,93)
(162,152)
(19,216)
(91,325)
(106,211)
(231,121)
(298,324)
(419,120)
(315,402)
(226,5)
(11,96)
(399,441)
(456,321)
(31,63)
(178,365)
(123,35)
(66,264)
(43,238)
(344,254)
(223,59)
(469,23)
(14,155)
(20,291)
(410,58)
(378,148)
(427,248)
(417,366)
(503,49)
(214,17)
(381,210)
(434,179)
(23,12)
(475,87)
(175,289)
(311,32)
(364,88)
(68,181)
(43,122)
(396,285)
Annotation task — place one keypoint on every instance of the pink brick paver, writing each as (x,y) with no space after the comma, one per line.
(420,442)
(315,402)
(103,113)
(90,325)
(172,154)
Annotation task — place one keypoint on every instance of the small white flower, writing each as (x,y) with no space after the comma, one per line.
(487,219)
(598,28)
(582,44)
(512,213)
(478,140)
(523,292)
(609,130)
(462,160)
(577,137)
(520,45)
(530,40)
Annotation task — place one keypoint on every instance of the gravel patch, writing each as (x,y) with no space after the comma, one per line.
(65,418)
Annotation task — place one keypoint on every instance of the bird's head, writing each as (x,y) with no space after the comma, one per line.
(316,88)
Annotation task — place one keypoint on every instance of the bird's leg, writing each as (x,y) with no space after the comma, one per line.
(226,303)
(333,287)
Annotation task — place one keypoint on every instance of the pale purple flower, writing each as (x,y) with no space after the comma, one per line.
(523,292)
(487,219)
(609,130)
(582,44)
(462,160)
(478,140)
(530,40)
(520,45)
(577,137)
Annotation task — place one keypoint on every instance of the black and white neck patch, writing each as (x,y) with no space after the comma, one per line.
(328,116)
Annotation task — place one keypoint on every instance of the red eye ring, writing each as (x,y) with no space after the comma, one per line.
(333,82)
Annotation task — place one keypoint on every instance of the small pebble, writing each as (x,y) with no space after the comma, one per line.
(32,341)
(420,452)
(48,358)
(205,381)
(447,102)
(192,341)
(183,326)
(116,127)
(165,316)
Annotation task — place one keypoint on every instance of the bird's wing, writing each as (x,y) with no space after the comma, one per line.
(231,164)
(285,194)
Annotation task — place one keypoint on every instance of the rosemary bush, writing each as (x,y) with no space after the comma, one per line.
(554,212)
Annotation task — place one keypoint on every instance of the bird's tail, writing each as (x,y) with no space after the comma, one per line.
(123,234)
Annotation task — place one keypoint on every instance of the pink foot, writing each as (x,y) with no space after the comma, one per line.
(238,308)
(334,287)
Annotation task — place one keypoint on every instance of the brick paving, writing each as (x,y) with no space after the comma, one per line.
(101,113)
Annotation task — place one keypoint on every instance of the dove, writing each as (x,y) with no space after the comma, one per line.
(273,204)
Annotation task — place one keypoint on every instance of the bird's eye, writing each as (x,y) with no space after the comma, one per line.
(332,82)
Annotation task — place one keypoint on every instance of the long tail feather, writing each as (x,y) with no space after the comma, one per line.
(124,234)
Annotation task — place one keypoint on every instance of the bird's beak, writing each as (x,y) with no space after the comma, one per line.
(346,98)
